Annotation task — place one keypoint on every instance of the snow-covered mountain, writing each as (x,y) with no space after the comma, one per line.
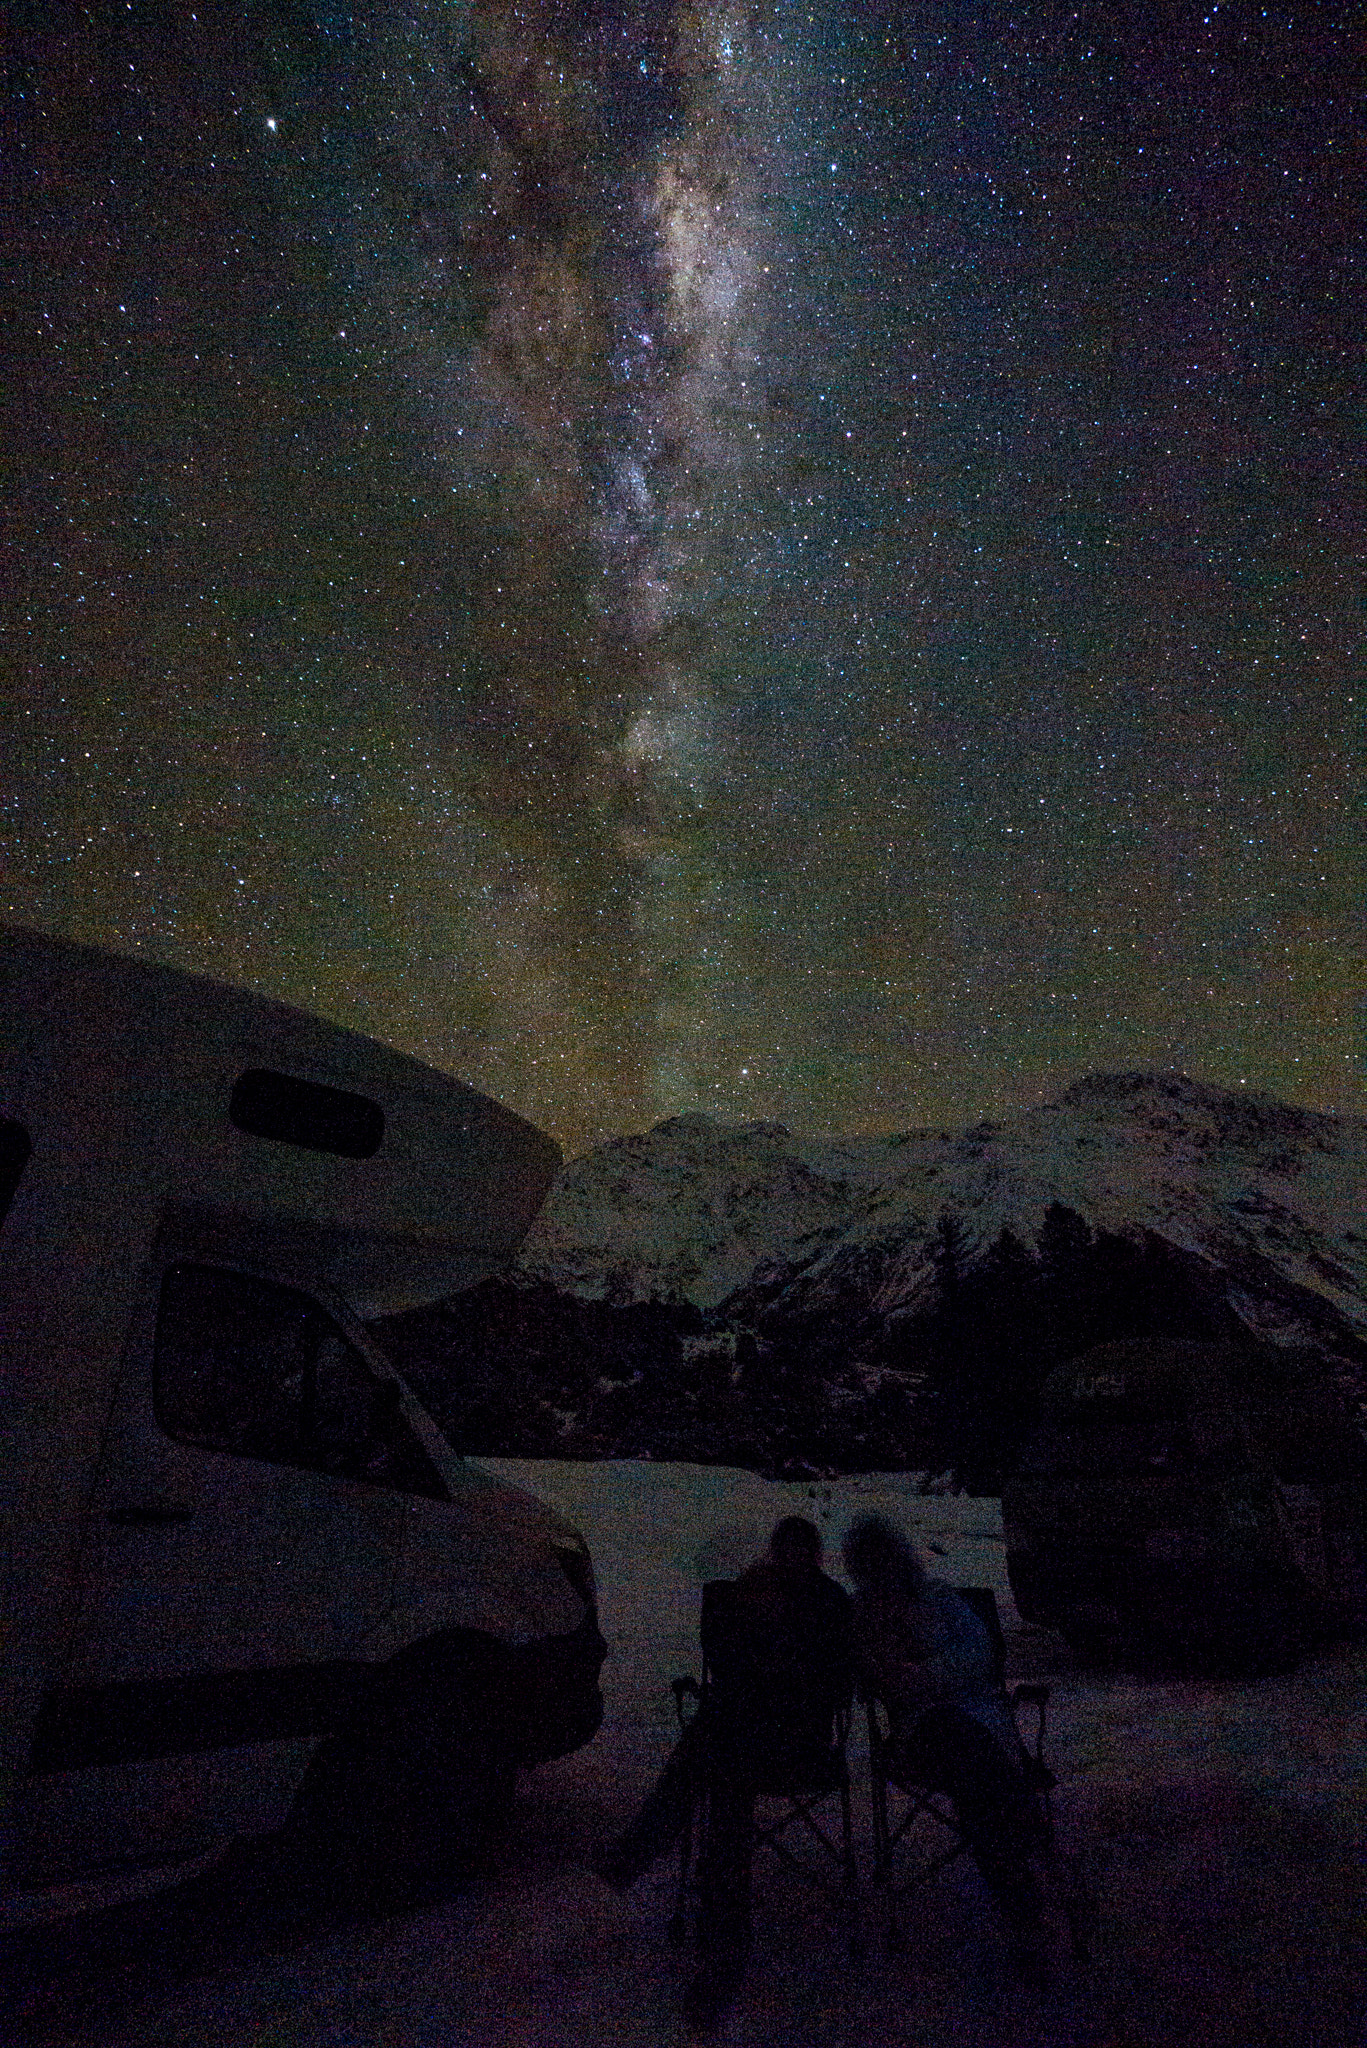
(689,1210)
(704,1211)
(745,1295)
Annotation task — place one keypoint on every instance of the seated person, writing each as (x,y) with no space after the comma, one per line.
(782,1666)
(924,1652)
(780,1658)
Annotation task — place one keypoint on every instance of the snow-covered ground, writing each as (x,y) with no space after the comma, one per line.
(658,1531)
(1223,1825)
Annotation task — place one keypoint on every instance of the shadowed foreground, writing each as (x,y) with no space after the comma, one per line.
(1222,1825)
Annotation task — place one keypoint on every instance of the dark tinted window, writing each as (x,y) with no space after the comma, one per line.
(1104,1450)
(260,1371)
(1314,1448)
(14,1152)
(1168,1447)
(296,1112)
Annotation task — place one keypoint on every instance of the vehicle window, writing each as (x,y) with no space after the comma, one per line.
(229,1362)
(261,1371)
(1104,1449)
(344,1394)
(306,1113)
(1309,1450)
(1168,1447)
(14,1151)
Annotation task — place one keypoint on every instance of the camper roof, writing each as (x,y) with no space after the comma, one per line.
(365,1169)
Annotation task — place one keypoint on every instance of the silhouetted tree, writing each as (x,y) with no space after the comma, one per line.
(949,1252)
(1064,1240)
(975,1359)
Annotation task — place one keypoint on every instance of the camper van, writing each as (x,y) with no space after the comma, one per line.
(242,1572)
(1190,1503)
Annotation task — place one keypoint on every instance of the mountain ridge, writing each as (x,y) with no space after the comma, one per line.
(738,1294)
(648,1237)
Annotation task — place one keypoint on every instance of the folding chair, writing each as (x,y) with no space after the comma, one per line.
(789,1785)
(926,1802)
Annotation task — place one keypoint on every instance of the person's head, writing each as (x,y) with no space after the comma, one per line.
(879,1558)
(795,1546)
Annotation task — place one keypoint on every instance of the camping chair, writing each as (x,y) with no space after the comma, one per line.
(790,1788)
(925,1802)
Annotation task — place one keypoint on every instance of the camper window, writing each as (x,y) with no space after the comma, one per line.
(260,1371)
(1312,1446)
(1169,1448)
(14,1151)
(1099,1445)
(306,1113)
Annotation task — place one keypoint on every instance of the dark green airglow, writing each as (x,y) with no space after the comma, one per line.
(998,719)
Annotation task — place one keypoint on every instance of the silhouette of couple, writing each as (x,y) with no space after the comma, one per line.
(792,1645)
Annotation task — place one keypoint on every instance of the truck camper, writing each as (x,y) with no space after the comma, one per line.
(1190,1503)
(243,1576)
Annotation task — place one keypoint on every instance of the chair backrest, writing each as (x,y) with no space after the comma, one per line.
(798,1704)
(983,1601)
(717,1625)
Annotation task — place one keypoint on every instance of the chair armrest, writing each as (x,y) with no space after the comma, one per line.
(1036,1696)
(1029,1695)
(878,1738)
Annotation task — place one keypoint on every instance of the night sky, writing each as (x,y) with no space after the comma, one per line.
(802,561)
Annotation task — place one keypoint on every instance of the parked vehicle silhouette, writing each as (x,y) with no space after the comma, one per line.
(241,1565)
(1190,1504)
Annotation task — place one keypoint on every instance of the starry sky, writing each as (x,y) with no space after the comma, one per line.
(796,560)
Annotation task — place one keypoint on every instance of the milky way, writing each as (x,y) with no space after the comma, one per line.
(799,561)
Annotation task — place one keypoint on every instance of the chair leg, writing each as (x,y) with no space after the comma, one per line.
(892,1924)
(849,1870)
(678,1924)
(1067,1877)
(892,1931)
(879,1791)
(1079,1904)
(882,1856)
